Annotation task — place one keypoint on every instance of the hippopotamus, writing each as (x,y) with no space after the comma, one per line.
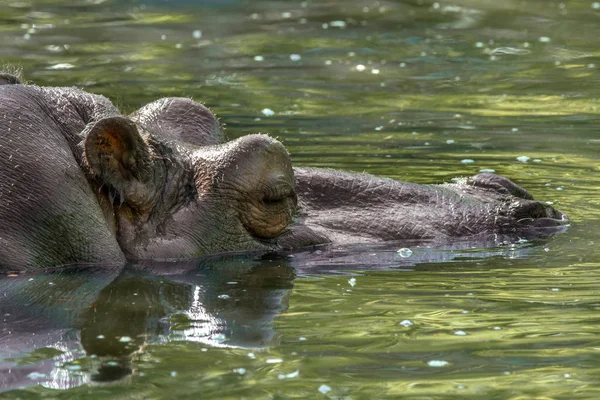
(80,183)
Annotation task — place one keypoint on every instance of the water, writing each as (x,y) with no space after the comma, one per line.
(414,90)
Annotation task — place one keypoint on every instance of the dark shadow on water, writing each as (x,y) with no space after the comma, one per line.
(85,325)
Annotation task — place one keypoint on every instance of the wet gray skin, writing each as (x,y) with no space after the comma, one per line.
(81,183)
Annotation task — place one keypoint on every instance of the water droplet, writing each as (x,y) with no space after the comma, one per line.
(437,363)
(324,389)
(406,323)
(404,252)
(197,34)
(523,159)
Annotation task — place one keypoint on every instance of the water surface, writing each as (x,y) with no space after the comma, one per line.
(414,90)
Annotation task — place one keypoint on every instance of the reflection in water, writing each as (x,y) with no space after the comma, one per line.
(78,326)
(52,321)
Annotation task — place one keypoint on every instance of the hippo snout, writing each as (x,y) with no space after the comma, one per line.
(257,172)
(531,213)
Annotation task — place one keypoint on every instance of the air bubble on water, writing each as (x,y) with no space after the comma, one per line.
(489,170)
(163,37)
(240,371)
(251,355)
(61,66)
(302,338)
(437,363)
(360,67)
(173,374)
(554,289)
(375,71)
(402,65)
(596,5)
(560,188)
(267,112)
(338,24)
(295,57)
(497,328)
(351,54)
(125,339)
(37,375)
(294,374)
(449,141)
(406,323)
(73,367)
(460,333)
(479,44)
(219,338)
(523,159)
(467,161)
(197,34)
(325,26)
(567,375)
(259,58)
(537,160)
(404,252)
(328,62)
(273,360)
(324,389)
(544,39)
(286,14)
(379,128)
(100,337)
(515,129)
(352,282)
(223,296)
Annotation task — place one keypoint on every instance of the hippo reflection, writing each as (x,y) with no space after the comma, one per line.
(80,183)
(110,315)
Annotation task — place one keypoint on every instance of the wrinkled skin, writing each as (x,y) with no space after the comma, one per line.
(80,183)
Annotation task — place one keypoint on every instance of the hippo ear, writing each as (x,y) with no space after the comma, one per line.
(116,153)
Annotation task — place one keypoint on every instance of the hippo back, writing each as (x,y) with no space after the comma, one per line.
(49,213)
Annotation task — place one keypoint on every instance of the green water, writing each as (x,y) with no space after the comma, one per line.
(405,89)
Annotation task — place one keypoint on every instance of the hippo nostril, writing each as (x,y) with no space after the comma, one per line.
(278,195)
(540,214)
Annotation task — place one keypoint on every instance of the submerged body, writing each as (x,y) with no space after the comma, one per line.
(80,183)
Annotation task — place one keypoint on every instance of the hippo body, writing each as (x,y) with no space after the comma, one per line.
(81,183)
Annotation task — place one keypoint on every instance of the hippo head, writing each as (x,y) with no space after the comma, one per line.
(172,191)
